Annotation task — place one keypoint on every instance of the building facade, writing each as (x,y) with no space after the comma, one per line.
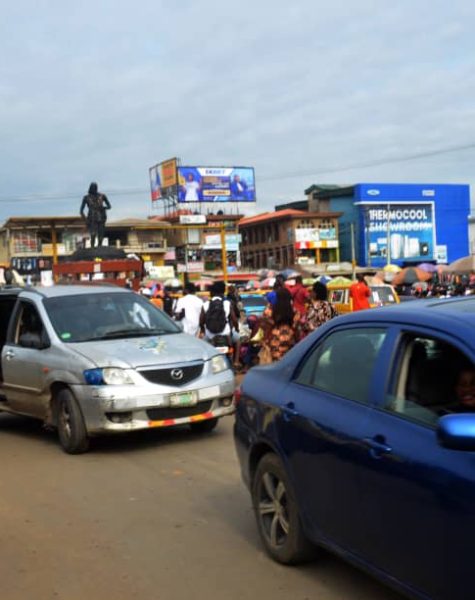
(287,237)
(396,223)
(28,243)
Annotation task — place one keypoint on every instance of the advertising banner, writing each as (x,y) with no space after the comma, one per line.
(411,231)
(163,179)
(314,234)
(191,267)
(213,242)
(216,184)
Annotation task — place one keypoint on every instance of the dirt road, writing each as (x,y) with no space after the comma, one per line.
(161,515)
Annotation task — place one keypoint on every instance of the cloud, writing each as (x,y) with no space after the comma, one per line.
(101,91)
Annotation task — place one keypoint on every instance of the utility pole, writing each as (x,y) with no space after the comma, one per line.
(353,253)
(388,235)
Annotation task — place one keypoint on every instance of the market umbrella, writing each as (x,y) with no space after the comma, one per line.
(288,273)
(409,275)
(268,282)
(308,281)
(392,269)
(324,279)
(338,281)
(465,264)
(428,267)
(173,283)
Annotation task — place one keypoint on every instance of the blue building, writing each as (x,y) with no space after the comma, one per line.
(423,222)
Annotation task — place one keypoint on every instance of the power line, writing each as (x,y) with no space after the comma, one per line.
(30,198)
(374,163)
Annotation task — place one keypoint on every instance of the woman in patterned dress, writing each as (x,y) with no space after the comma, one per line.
(278,324)
(320,310)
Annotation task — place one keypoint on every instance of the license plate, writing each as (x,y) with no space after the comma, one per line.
(184,399)
(222,349)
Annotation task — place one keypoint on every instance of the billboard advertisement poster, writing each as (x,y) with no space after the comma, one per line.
(411,231)
(314,234)
(163,179)
(216,184)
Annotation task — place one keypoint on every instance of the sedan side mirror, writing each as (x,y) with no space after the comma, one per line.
(457,432)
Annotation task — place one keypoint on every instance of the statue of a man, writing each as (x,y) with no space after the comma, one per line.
(97,204)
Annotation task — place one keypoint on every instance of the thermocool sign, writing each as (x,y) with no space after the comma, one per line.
(411,231)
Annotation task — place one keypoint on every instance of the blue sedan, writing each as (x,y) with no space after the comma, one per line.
(362,440)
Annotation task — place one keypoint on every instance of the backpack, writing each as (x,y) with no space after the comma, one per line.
(215,318)
(168,305)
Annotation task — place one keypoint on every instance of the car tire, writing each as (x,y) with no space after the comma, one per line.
(70,423)
(204,426)
(277,513)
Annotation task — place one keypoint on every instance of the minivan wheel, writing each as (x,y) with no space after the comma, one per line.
(204,426)
(277,513)
(71,428)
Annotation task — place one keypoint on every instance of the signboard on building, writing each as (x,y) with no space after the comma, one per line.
(314,234)
(163,179)
(161,272)
(192,219)
(213,242)
(441,254)
(313,237)
(410,226)
(47,249)
(191,267)
(216,184)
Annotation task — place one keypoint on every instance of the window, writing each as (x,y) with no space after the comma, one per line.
(343,363)
(29,329)
(427,385)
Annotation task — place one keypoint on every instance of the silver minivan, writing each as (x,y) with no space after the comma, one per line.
(89,360)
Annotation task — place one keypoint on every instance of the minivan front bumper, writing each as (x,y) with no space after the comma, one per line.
(118,408)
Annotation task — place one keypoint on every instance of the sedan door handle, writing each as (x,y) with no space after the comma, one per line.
(288,411)
(377,446)
(9,354)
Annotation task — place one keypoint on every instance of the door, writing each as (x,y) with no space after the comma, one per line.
(321,429)
(23,361)
(419,498)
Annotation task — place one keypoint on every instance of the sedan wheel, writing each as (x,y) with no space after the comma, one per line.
(277,513)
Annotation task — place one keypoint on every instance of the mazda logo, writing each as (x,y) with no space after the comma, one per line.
(177,374)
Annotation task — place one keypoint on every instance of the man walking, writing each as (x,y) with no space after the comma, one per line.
(188,309)
(360,293)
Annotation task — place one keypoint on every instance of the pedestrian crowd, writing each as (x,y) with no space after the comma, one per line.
(443,285)
(290,315)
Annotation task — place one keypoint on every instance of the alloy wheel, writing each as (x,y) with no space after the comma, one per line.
(272,509)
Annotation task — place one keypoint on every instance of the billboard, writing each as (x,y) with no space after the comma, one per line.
(411,231)
(163,179)
(216,184)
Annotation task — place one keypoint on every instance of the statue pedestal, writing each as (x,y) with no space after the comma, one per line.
(100,252)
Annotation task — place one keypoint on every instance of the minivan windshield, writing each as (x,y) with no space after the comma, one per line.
(92,317)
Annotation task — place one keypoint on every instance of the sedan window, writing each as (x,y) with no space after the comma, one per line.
(433,379)
(343,363)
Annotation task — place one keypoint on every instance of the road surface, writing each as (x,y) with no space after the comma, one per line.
(159,515)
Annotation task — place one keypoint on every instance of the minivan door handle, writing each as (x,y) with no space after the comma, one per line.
(9,354)
(377,446)
(288,411)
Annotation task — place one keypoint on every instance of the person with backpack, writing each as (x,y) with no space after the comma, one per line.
(219,319)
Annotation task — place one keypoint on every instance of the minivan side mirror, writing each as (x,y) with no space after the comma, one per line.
(457,431)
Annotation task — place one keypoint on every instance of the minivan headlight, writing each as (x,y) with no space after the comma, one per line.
(108,376)
(219,363)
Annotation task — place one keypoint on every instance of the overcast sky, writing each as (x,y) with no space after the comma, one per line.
(300,90)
